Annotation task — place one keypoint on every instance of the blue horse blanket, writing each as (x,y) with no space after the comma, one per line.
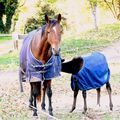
(34,69)
(94,73)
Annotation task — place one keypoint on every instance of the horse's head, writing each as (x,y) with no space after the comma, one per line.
(53,33)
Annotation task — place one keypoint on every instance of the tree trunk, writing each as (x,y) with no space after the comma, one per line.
(94,13)
(8,23)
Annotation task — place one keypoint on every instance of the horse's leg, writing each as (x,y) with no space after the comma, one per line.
(35,105)
(43,98)
(108,87)
(49,94)
(36,94)
(74,100)
(98,96)
(20,80)
(31,97)
(85,103)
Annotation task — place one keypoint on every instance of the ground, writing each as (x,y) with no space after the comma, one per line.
(14,105)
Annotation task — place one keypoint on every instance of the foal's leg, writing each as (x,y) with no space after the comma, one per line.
(49,94)
(43,98)
(108,87)
(74,100)
(85,103)
(98,96)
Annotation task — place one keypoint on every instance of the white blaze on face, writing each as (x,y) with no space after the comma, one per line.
(55,30)
(56,45)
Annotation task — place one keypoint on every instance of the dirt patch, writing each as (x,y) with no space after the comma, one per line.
(15,104)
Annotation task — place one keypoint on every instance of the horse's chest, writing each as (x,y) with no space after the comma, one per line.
(37,71)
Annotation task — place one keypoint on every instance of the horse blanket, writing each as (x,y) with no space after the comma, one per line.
(34,69)
(93,74)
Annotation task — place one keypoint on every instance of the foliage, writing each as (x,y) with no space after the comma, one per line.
(33,23)
(7,8)
(114,6)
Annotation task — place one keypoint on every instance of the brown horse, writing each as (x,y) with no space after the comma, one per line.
(42,45)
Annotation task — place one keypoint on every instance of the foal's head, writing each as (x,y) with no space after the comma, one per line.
(53,33)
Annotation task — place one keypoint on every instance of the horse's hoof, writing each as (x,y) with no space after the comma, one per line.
(43,109)
(35,114)
(30,107)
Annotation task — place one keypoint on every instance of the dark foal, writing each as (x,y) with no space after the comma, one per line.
(38,53)
(73,67)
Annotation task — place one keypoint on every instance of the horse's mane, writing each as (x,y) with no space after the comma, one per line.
(72,66)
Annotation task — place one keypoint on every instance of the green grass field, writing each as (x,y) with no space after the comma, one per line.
(5,38)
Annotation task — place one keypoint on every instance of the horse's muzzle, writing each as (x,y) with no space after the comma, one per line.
(56,52)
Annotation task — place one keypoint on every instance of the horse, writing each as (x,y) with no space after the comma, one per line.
(40,61)
(88,72)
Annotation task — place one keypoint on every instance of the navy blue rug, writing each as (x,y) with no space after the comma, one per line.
(94,73)
(35,70)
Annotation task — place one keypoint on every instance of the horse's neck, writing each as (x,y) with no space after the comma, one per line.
(41,48)
(44,52)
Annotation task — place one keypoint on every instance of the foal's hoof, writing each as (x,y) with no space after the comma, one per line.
(72,109)
(51,113)
(111,108)
(83,112)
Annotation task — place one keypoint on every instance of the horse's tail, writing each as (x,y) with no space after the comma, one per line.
(39,98)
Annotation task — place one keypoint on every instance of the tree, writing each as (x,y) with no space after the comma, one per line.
(33,23)
(7,8)
(114,6)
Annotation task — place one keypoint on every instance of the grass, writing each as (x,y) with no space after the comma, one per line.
(9,61)
(5,38)
(90,40)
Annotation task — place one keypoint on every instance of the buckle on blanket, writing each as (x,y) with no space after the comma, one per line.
(74,78)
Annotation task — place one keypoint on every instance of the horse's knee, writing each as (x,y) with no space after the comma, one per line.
(84,94)
(108,86)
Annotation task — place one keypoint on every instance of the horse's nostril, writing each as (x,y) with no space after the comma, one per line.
(55,52)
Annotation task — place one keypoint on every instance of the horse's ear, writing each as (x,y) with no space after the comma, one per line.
(46,19)
(59,18)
